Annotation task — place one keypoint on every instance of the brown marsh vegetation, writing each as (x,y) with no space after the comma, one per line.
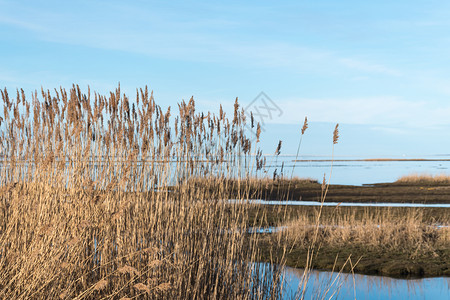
(424,178)
(107,198)
(399,242)
(86,210)
(432,190)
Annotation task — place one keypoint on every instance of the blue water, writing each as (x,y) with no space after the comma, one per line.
(348,286)
(351,204)
(351,171)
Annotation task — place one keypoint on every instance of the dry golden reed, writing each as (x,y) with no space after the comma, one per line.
(336,134)
(99,196)
(407,230)
(105,197)
(305,125)
(424,178)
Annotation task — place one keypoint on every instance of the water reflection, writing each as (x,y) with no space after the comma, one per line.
(352,204)
(364,286)
(360,170)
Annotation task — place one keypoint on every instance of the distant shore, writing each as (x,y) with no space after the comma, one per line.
(419,191)
(371,159)
(420,249)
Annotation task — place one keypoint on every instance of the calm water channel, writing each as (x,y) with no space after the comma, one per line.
(360,170)
(367,287)
(331,285)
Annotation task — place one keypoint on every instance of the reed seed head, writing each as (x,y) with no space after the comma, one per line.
(336,134)
(278,150)
(305,126)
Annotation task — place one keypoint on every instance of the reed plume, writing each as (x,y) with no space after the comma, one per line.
(110,197)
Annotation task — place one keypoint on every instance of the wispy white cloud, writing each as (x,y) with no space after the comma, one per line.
(10,78)
(385,111)
(161,33)
(16,22)
(368,67)
(433,82)
(393,130)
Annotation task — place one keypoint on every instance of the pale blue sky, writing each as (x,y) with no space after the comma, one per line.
(380,68)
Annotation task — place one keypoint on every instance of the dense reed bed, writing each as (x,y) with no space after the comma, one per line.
(424,178)
(99,200)
(393,230)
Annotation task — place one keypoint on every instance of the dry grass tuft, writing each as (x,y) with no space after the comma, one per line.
(128,270)
(101,285)
(142,288)
(424,178)
(163,287)
(388,230)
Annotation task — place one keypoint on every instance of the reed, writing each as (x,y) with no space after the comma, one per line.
(424,178)
(100,200)
(410,232)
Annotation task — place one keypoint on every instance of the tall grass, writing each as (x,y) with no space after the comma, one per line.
(100,199)
(388,230)
(416,178)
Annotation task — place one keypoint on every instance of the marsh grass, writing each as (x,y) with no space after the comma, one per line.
(416,178)
(389,230)
(99,199)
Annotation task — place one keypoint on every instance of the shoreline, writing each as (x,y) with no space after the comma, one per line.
(394,265)
(421,192)
(400,262)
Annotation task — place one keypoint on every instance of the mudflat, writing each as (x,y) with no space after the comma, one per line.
(402,242)
(426,192)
